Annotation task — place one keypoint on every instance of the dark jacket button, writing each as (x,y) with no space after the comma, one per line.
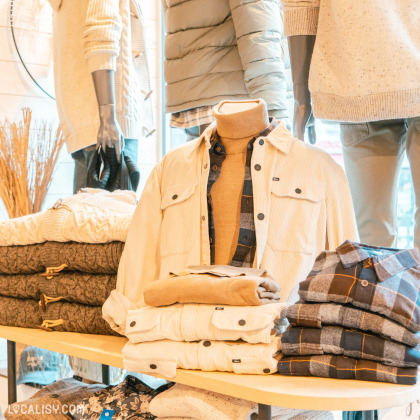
(132,323)
(266,370)
(153,366)
(174,197)
(241,322)
(207,344)
(257,167)
(261,142)
(261,216)
(298,190)
(214,167)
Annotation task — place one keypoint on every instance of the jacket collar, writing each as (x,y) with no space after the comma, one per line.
(386,261)
(280,138)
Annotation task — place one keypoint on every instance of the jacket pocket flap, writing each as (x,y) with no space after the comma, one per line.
(300,190)
(240,319)
(140,320)
(254,365)
(176,194)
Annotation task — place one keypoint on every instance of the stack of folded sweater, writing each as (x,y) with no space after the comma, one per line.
(213,318)
(58,267)
(359,317)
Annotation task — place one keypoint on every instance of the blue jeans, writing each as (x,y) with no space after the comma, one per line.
(83,158)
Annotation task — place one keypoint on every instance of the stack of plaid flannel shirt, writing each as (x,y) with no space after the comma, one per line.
(358,318)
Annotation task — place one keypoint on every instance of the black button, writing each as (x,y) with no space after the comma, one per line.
(298,190)
(153,366)
(257,167)
(241,322)
(203,218)
(261,216)
(205,166)
(132,323)
(207,344)
(266,370)
(211,240)
(214,167)
(174,197)
(261,142)
(218,149)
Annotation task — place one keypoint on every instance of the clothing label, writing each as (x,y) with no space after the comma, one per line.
(219,308)
(276,179)
(107,414)
(236,360)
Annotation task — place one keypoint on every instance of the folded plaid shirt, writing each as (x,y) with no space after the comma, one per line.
(330,366)
(245,249)
(317,315)
(351,343)
(381,280)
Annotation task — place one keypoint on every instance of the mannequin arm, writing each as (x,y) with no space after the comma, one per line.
(110,133)
(300,49)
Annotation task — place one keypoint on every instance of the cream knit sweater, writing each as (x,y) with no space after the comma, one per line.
(91,35)
(366,61)
(92,216)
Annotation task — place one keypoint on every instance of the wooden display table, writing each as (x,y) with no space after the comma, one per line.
(285,391)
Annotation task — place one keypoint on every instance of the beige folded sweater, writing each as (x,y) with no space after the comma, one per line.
(217,285)
(91,216)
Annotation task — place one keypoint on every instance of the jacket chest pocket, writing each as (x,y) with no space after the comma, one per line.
(294,216)
(179,219)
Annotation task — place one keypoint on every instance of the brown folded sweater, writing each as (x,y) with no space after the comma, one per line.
(87,258)
(216,285)
(25,313)
(89,289)
(75,317)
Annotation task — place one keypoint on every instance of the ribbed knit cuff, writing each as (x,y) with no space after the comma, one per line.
(52,224)
(101,62)
(301,21)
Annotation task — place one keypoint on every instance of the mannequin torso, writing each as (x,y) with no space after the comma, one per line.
(237,123)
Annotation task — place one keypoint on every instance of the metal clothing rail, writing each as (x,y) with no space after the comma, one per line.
(306,393)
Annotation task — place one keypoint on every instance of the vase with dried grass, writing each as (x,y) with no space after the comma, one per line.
(28,155)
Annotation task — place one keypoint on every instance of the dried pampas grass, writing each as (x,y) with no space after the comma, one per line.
(27,159)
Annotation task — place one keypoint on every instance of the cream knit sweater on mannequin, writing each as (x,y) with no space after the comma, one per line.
(91,35)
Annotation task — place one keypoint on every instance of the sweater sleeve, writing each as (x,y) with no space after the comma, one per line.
(259,30)
(341,222)
(140,261)
(102,34)
(301,17)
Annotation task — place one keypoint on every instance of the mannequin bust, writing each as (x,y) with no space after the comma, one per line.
(300,49)
(237,123)
(110,133)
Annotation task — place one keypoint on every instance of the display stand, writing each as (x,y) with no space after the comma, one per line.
(267,390)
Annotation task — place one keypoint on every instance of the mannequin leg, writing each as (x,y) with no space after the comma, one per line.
(413,153)
(373,153)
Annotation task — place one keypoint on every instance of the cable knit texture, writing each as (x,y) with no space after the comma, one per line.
(91,35)
(92,216)
(187,402)
(86,258)
(366,61)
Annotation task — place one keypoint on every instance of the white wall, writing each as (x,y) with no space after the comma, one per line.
(34,37)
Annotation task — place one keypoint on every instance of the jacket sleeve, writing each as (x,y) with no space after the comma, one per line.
(102,34)
(140,261)
(301,17)
(259,28)
(341,222)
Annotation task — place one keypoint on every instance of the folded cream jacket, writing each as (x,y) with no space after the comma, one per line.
(91,216)
(302,206)
(164,357)
(193,322)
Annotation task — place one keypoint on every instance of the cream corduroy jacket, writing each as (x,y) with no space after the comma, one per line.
(91,35)
(302,205)
(366,61)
